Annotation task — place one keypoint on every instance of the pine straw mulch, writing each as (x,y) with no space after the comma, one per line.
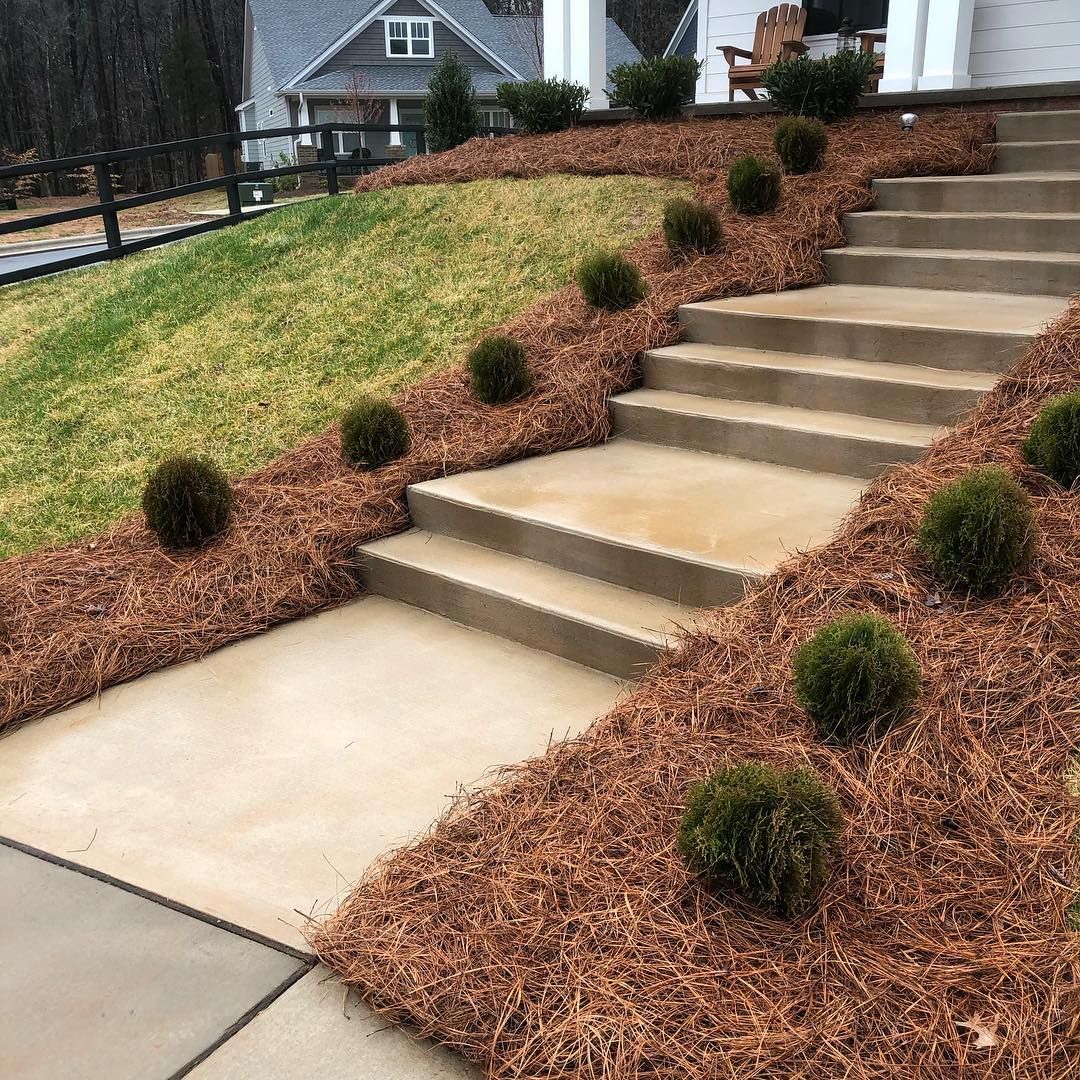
(84,617)
(547,928)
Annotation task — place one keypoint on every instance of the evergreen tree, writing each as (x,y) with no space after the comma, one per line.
(450,108)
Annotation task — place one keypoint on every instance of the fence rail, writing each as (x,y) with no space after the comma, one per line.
(109,205)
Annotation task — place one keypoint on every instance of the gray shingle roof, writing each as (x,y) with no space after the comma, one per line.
(294,32)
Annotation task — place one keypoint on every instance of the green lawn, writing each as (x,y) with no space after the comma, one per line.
(246,341)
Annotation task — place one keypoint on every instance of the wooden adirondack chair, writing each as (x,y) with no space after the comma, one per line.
(778,36)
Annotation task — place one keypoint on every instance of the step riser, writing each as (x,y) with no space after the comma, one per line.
(811,450)
(958,350)
(809,390)
(1038,126)
(1037,157)
(1023,276)
(957,196)
(583,643)
(978,233)
(691,583)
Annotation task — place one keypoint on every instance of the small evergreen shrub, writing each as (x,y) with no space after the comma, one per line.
(611,281)
(767,832)
(373,432)
(542,105)
(800,144)
(450,113)
(186,501)
(828,89)
(655,89)
(1053,444)
(753,185)
(691,227)
(979,530)
(498,371)
(856,677)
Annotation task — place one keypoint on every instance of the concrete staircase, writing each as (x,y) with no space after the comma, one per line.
(753,436)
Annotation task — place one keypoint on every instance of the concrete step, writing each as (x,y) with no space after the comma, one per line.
(1037,157)
(997,232)
(1048,126)
(603,626)
(680,524)
(870,388)
(953,330)
(1030,193)
(1054,273)
(833,442)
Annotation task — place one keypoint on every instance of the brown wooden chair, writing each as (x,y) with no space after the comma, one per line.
(868,40)
(778,36)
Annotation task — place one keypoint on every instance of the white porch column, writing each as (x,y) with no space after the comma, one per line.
(305,139)
(395,136)
(575,45)
(905,40)
(947,59)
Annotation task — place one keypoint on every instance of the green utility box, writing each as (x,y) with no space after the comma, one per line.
(256,194)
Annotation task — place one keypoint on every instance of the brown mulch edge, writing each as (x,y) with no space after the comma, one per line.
(86,616)
(547,928)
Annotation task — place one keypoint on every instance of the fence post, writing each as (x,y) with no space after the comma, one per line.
(421,142)
(327,141)
(228,169)
(105,195)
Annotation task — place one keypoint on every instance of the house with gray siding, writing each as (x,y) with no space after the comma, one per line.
(310,63)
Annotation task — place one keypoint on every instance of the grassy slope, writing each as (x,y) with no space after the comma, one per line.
(244,342)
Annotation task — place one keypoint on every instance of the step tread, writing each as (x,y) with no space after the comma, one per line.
(1064,258)
(870,370)
(1063,217)
(1039,142)
(1042,175)
(849,425)
(704,508)
(977,312)
(636,615)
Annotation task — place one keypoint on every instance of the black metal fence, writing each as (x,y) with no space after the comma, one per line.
(109,205)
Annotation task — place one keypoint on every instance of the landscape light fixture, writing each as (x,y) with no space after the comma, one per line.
(908,121)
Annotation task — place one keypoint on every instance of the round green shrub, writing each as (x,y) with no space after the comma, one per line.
(1053,444)
(800,144)
(186,501)
(692,228)
(611,281)
(979,530)
(856,677)
(373,432)
(764,831)
(655,89)
(498,370)
(753,185)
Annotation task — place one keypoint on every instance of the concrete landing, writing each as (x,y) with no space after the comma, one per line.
(267,776)
(314,1032)
(96,982)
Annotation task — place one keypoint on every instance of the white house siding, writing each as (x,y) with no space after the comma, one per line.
(270,111)
(728,22)
(1025,41)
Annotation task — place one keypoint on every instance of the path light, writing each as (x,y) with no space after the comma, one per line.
(908,121)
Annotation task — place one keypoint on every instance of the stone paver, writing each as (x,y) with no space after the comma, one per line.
(266,777)
(98,983)
(314,1031)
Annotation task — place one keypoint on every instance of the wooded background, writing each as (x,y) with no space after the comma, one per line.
(78,76)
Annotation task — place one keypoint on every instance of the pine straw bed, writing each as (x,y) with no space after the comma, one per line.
(83,617)
(547,928)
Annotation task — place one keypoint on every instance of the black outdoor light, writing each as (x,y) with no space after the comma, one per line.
(845,36)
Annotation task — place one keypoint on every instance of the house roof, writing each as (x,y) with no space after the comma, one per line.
(394,78)
(294,32)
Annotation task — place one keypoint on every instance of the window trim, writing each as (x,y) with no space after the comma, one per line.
(410,21)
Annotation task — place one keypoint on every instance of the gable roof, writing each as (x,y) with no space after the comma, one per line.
(294,32)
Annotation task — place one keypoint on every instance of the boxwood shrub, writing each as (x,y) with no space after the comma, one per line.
(753,185)
(800,144)
(655,89)
(609,280)
(978,531)
(1053,443)
(186,501)
(542,105)
(766,832)
(828,89)
(498,370)
(856,677)
(692,228)
(373,432)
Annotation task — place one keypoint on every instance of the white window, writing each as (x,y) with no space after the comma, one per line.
(494,118)
(345,142)
(409,37)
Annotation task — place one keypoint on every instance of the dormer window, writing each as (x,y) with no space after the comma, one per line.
(409,37)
